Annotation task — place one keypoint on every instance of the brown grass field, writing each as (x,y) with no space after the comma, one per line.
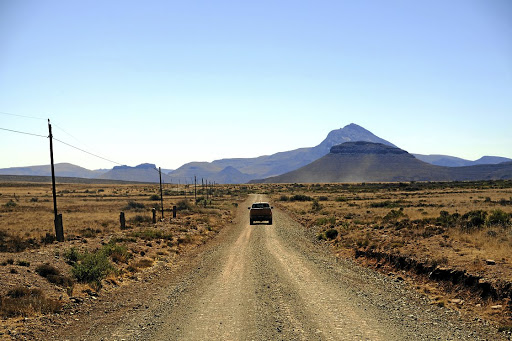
(455,228)
(42,276)
(461,226)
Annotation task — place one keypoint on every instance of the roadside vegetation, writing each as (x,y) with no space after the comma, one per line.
(41,276)
(454,238)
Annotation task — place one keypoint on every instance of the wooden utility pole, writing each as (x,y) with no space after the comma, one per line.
(195,189)
(161,192)
(59,230)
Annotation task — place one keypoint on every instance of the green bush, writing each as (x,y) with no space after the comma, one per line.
(300,197)
(154,197)
(284,198)
(474,219)
(326,220)
(446,219)
(72,255)
(10,204)
(92,267)
(498,218)
(118,253)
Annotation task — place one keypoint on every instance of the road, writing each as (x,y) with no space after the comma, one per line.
(273,282)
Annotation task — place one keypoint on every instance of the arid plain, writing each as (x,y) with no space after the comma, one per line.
(422,234)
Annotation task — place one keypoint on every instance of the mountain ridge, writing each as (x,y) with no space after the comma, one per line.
(371,162)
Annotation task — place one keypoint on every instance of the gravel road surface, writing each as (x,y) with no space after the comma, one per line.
(269,282)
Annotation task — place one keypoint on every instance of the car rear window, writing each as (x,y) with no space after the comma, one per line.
(260,205)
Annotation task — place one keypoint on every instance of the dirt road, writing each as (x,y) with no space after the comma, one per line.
(265,282)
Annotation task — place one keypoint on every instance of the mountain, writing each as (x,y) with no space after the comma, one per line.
(376,162)
(61,169)
(452,161)
(145,172)
(275,164)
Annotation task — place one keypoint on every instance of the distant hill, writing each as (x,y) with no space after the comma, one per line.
(145,172)
(275,164)
(61,169)
(60,180)
(452,161)
(375,162)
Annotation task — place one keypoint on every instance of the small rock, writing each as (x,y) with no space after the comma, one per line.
(456,300)
(490,262)
(496,307)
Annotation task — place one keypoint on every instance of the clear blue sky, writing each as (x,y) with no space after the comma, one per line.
(169,82)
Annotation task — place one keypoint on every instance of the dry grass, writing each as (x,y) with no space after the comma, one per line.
(406,219)
(96,251)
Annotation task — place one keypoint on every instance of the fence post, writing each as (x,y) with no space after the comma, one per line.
(174,211)
(122,220)
(153,211)
(59,230)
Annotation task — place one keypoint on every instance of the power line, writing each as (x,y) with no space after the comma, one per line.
(23,132)
(25,116)
(85,151)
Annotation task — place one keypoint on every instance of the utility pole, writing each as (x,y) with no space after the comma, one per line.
(161,193)
(195,189)
(59,230)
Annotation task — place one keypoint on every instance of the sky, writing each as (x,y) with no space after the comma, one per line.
(170,82)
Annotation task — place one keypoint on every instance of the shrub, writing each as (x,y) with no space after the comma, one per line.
(300,197)
(474,219)
(331,234)
(498,218)
(23,263)
(284,198)
(154,197)
(10,204)
(92,267)
(326,220)
(387,203)
(53,275)
(118,253)
(183,205)
(22,301)
(34,200)
(323,198)
(89,232)
(446,219)
(394,215)
(134,205)
(44,270)
(139,219)
(72,256)
(315,206)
